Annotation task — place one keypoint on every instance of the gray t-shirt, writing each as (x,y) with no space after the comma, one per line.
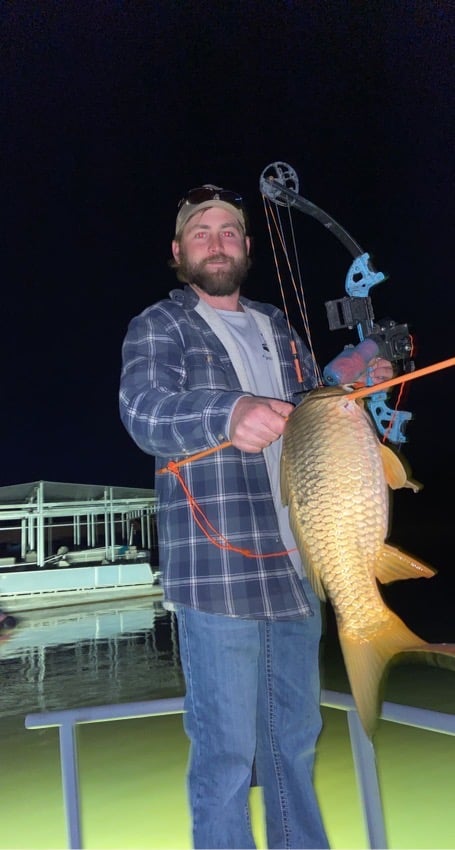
(262,370)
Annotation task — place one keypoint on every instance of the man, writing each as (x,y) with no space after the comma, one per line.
(205,366)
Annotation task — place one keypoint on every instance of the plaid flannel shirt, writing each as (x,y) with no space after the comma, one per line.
(179,384)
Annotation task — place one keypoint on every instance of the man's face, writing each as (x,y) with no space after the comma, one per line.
(213,252)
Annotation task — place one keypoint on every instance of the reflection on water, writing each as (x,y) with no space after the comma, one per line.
(127,651)
(89,655)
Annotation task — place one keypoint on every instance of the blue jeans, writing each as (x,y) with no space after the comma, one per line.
(252,697)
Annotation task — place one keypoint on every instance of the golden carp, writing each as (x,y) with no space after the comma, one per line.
(335,478)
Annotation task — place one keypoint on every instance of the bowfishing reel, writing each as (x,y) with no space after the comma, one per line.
(391,340)
(394,343)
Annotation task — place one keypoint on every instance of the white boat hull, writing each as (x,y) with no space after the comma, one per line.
(39,630)
(43,588)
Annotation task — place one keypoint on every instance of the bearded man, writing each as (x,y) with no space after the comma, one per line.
(205,366)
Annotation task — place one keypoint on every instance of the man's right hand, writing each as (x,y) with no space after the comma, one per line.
(256,422)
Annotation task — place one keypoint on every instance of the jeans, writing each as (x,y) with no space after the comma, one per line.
(252,698)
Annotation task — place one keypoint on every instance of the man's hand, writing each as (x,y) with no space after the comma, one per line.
(256,422)
(379,370)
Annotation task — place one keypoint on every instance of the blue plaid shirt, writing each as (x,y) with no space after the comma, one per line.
(178,388)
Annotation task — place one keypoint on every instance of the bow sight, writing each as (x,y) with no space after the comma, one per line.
(385,338)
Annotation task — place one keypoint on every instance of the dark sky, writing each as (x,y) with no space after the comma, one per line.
(111,110)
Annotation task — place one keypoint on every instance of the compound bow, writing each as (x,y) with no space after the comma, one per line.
(385,338)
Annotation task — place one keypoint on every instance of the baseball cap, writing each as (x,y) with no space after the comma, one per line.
(209,196)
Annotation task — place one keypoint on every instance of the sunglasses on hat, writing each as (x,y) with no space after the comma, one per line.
(211,193)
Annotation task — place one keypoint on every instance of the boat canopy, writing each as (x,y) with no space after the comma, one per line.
(54,491)
(38,516)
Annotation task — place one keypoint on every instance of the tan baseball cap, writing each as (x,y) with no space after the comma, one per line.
(209,196)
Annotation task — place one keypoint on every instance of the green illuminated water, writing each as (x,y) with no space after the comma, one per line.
(133,772)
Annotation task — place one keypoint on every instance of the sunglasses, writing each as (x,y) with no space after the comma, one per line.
(211,193)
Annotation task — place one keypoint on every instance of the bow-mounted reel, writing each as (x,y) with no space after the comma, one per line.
(387,339)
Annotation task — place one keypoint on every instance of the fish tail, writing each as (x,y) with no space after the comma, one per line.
(368,659)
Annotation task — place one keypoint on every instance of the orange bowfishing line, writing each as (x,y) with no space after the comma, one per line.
(361,392)
(198,514)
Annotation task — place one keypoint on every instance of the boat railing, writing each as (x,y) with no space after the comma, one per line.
(363,752)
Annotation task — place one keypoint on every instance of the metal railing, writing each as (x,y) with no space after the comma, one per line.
(362,749)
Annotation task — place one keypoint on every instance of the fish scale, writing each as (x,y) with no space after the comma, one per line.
(335,478)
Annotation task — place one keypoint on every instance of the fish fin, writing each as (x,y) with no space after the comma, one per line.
(367,661)
(395,471)
(394,565)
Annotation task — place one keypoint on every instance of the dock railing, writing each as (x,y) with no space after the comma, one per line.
(363,752)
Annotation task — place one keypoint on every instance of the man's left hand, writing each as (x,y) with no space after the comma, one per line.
(378,370)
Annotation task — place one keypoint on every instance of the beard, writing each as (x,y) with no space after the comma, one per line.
(221,281)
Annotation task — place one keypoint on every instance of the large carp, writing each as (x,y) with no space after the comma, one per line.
(335,477)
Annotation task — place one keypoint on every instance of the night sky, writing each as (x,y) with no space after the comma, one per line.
(110,111)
